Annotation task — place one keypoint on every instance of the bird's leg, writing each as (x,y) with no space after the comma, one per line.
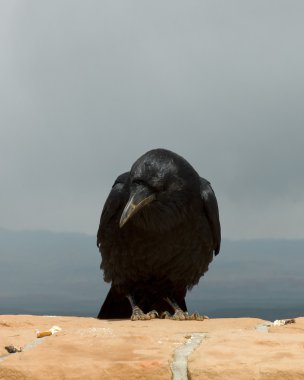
(138,314)
(181,315)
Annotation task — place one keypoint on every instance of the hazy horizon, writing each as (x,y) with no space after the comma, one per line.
(44,272)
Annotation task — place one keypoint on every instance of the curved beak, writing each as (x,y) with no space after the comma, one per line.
(138,199)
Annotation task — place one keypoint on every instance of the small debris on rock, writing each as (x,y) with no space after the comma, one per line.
(42,334)
(12,349)
(282,322)
(55,329)
(51,331)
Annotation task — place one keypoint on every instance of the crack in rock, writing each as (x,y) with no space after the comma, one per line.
(179,365)
(26,347)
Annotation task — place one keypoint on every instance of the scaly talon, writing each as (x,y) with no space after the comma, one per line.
(166,315)
(139,315)
(197,317)
(179,315)
(153,314)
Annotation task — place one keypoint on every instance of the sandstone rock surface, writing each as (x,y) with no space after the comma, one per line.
(87,348)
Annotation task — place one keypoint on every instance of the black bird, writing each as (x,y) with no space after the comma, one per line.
(158,232)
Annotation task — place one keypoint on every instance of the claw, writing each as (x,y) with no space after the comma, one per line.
(166,315)
(153,314)
(197,317)
(179,315)
(139,315)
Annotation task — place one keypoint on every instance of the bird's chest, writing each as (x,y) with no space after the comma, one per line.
(149,254)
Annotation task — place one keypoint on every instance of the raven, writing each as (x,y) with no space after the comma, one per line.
(158,232)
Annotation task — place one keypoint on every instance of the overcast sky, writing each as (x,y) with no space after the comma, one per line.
(88,86)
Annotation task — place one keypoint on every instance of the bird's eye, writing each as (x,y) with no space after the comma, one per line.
(139,182)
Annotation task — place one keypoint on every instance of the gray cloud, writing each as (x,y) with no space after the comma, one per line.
(86,87)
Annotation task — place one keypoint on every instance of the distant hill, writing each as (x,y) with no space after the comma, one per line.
(58,273)
(261,278)
(50,273)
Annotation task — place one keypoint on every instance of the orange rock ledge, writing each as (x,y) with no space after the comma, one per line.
(87,348)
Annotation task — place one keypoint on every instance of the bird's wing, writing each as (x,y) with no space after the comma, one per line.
(212,212)
(113,204)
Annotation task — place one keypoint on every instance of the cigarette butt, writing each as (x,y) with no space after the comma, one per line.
(43,333)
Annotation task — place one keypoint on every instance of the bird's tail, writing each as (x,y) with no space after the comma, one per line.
(115,306)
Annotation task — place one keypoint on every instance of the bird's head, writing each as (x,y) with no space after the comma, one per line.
(160,183)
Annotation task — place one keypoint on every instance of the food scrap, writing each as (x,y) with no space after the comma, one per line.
(51,331)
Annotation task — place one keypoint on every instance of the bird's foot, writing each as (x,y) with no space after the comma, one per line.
(180,315)
(196,317)
(139,315)
(165,315)
(153,314)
